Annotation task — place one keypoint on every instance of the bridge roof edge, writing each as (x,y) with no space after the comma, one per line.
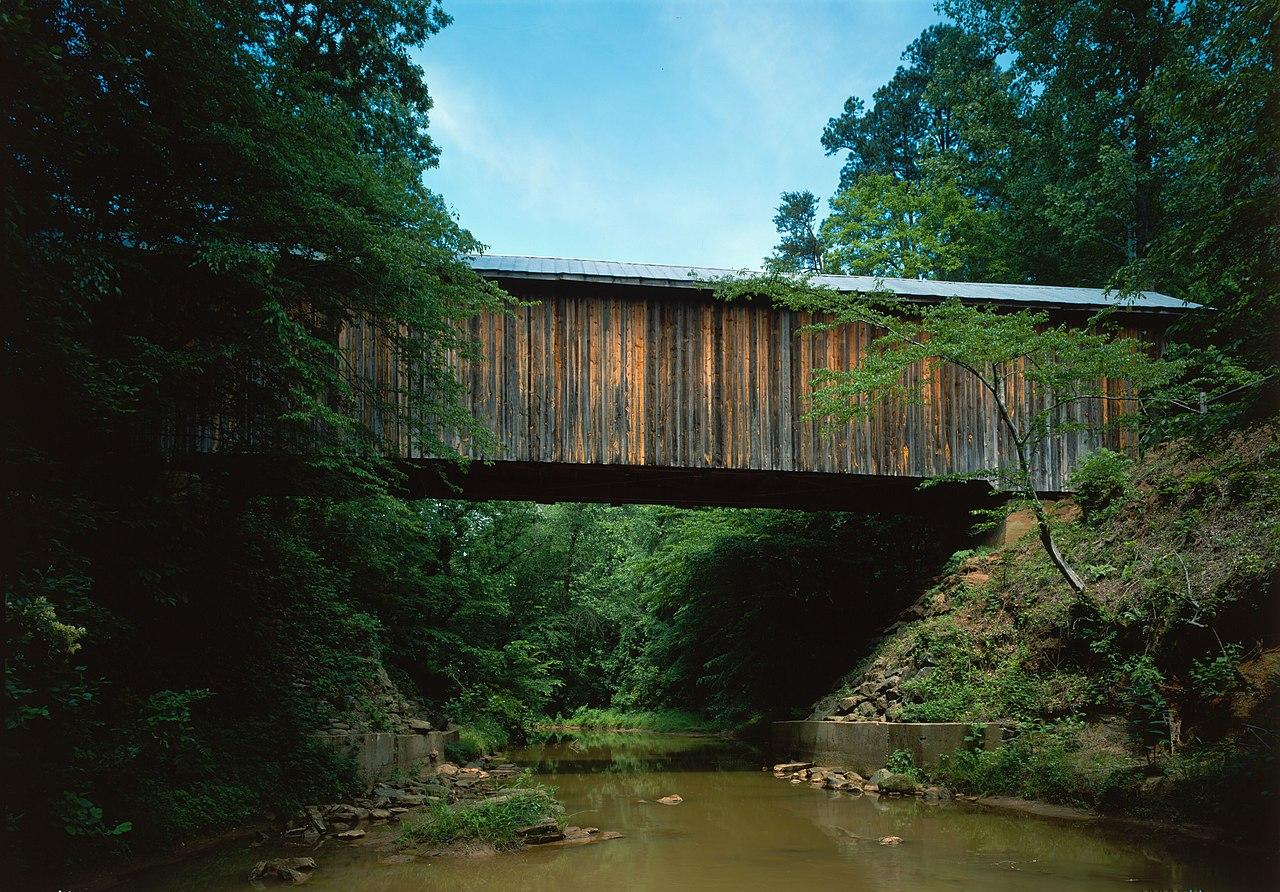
(657,275)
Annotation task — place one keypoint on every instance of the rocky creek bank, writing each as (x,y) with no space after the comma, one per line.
(375,818)
(882,782)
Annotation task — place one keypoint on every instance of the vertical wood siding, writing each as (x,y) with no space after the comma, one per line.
(685,382)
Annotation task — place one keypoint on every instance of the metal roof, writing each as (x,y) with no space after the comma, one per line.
(667,276)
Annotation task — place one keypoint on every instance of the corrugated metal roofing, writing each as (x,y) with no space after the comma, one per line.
(665,275)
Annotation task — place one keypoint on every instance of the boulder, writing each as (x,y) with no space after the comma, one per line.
(314,818)
(792,766)
(866,709)
(847,704)
(897,783)
(545,830)
(289,870)
(447,769)
(420,725)
(890,840)
(673,799)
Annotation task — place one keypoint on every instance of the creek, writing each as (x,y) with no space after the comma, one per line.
(740,828)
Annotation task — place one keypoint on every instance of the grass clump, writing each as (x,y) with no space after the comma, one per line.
(480,736)
(494,820)
(656,720)
(1037,764)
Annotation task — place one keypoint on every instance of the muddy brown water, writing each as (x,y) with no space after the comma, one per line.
(739,828)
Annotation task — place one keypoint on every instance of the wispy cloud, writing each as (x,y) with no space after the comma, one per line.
(655,132)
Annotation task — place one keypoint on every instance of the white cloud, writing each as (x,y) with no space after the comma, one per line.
(668,142)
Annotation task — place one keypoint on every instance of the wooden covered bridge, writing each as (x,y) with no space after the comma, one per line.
(627,382)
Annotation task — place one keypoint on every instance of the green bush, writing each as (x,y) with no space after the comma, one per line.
(1103,480)
(903,762)
(1036,764)
(481,735)
(494,820)
(1217,675)
(656,720)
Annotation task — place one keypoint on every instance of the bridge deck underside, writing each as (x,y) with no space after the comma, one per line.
(691,487)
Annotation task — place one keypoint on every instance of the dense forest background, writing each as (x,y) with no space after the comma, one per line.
(198,194)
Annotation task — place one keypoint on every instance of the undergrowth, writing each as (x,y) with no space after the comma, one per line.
(494,820)
(656,720)
(1157,692)
(479,736)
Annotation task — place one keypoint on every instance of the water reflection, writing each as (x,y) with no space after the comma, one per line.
(592,752)
(740,828)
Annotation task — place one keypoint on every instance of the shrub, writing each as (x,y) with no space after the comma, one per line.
(480,736)
(903,762)
(656,720)
(1217,676)
(1036,765)
(494,820)
(1102,481)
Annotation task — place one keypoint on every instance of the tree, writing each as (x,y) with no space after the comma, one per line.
(1061,369)
(927,228)
(196,197)
(799,247)
(936,104)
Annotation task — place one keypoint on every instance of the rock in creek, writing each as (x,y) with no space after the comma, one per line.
(898,783)
(288,870)
(673,799)
(890,840)
(544,831)
(792,766)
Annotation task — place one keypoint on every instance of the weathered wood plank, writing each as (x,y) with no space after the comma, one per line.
(617,378)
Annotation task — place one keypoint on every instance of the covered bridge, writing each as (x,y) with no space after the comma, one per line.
(627,382)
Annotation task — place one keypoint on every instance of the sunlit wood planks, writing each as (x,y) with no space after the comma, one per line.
(603,376)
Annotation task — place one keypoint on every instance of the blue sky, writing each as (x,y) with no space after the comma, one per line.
(648,131)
